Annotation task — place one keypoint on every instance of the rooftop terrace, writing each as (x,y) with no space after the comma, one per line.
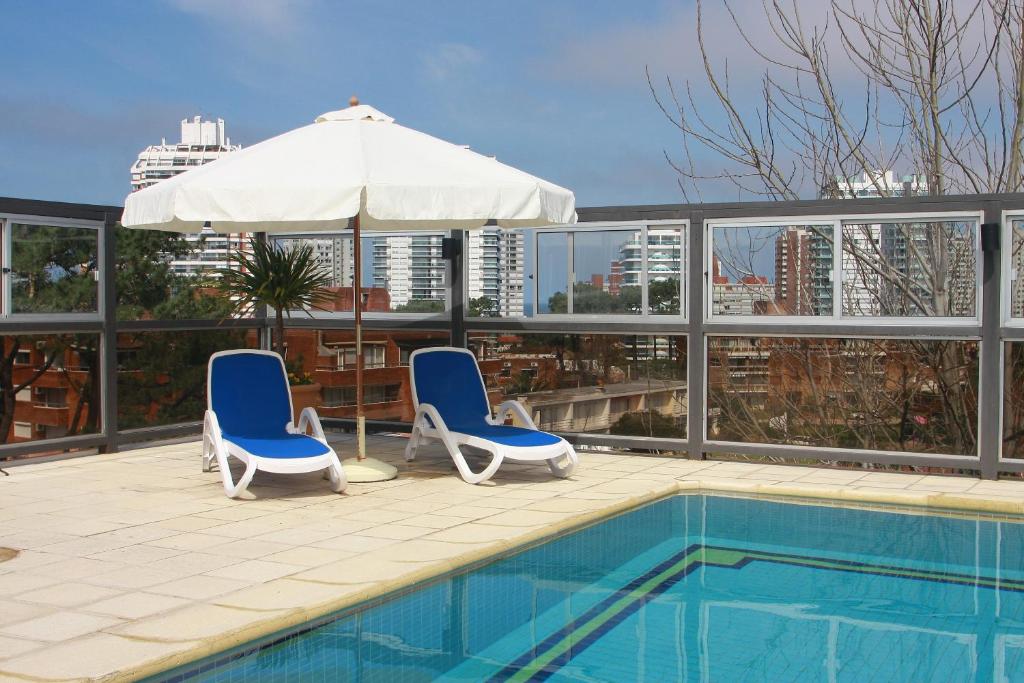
(877,346)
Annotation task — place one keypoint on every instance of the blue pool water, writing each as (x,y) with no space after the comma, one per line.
(692,588)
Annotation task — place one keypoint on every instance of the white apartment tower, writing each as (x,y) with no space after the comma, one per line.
(201,143)
(495,261)
(333,253)
(410,267)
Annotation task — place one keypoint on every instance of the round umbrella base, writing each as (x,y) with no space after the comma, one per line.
(368,470)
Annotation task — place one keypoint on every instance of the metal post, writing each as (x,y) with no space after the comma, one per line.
(990,395)
(696,411)
(456,292)
(107,356)
(357,292)
(263,331)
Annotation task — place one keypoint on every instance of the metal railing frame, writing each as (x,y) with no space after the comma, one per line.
(992,332)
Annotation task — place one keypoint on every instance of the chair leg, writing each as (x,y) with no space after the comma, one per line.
(468,475)
(231,488)
(570,458)
(208,452)
(336,474)
(414,443)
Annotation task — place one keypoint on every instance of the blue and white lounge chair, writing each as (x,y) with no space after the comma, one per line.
(249,417)
(451,407)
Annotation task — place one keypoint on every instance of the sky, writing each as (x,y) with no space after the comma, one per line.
(556,89)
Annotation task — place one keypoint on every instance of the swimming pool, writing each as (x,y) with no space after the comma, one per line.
(692,588)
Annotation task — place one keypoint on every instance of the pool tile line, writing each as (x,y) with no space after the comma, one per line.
(558,649)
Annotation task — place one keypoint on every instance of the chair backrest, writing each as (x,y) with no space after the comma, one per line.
(249,392)
(449,379)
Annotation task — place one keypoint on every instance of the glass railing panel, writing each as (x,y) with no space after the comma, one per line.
(910,269)
(608,273)
(606,384)
(1013,400)
(552,272)
(771,270)
(1016,275)
(495,273)
(881,394)
(666,270)
(54,269)
(52,382)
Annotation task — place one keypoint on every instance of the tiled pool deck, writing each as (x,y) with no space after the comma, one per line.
(134,562)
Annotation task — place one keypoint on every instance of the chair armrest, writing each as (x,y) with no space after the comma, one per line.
(309,418)
(518,410)
(427,410)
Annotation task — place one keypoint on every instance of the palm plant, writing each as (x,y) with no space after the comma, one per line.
(284,279)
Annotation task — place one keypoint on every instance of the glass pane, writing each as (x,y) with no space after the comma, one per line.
(602,284)
(552,272)
(55,383)
(495,273)
(161,376)
(168,275)
(608,384)
(893,395)
(1013,401)
(665,270)
(772,270)
(909,269)
(404,273)
(1017,269)
(53,269)
(322,370)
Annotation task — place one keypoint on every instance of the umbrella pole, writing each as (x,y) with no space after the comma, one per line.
(358,307)
(361,468)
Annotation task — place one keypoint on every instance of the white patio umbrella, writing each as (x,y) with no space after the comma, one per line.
(357,164)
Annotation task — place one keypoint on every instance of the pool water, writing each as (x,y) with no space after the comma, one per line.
(692,588)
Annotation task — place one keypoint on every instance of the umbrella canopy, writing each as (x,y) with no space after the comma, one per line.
(352,162)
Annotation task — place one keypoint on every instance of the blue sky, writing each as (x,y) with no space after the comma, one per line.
(557,89)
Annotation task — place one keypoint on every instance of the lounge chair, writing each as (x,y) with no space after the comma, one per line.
(451,407)
(249,417)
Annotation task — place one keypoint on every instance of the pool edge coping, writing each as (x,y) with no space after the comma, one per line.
(278,622)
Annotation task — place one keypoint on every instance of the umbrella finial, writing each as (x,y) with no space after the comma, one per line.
(353,101)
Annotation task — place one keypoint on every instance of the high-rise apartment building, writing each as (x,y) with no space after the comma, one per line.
(411,268)
(495,267)
(201,142)
(880,184)
(793,266)
(333,254)
(664,257)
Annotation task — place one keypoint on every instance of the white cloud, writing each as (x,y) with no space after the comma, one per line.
(450,60)
(666,43)
(267,18)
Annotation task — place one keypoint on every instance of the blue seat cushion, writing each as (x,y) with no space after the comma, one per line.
(282,446)
(506,435)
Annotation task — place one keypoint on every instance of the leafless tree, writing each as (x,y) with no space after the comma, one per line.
(936,86)
(941,90)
